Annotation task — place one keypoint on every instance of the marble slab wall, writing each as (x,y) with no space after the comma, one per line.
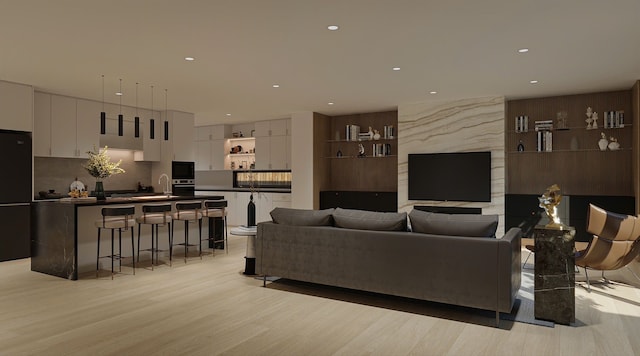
(464,125)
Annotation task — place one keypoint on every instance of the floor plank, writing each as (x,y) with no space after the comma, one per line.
(208,307)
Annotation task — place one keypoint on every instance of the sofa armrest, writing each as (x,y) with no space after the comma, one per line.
(510,255)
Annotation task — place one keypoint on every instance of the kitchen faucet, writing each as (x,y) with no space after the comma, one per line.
(166,185)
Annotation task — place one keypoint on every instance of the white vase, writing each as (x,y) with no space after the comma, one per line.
(603,143)
(614,146)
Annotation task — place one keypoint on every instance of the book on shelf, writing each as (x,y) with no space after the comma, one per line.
(544,141)
(522,123)
(352,132)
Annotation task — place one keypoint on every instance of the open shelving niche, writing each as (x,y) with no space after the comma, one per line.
(581,170)
(247,154)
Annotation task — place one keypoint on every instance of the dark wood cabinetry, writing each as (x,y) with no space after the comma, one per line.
(575,162)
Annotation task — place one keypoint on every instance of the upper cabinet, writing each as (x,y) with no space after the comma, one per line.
(273,144)
(75,125)
(16,101)
(64,126)
(210,146)
(178,136)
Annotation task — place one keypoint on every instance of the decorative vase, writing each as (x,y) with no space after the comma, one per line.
(251,212)
(520,146)
(100,191)
(603,143)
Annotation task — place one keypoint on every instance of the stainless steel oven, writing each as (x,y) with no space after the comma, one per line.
(183,187)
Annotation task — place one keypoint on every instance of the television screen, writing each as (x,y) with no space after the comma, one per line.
(463,176)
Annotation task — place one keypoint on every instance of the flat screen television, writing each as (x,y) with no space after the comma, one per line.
(462,176)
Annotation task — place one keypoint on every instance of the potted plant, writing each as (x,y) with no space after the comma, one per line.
(101,167)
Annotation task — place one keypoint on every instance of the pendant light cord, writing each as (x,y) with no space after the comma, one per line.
(103,93)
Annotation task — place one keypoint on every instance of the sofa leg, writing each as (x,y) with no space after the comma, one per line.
(264,280)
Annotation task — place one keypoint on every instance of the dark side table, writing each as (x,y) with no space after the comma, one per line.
(554,281)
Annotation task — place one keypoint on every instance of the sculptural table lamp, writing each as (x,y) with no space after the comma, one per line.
(549,201)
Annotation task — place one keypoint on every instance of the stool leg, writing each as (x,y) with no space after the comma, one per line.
(119,250)
(169,232)
(139,226)
(153,244)
(98,255)
(186,239)
(171,247)
(112,253)
(133,252)
(226,235)
(200,238)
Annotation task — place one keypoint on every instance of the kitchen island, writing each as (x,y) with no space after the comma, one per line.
(64,237)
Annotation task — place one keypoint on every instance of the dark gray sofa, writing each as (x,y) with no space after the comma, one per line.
(478,272)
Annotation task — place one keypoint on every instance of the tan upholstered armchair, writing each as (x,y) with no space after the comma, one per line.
(615,241)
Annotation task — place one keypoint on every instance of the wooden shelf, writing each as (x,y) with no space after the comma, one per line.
(358,157)
(585,170)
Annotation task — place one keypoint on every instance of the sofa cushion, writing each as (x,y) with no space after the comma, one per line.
(453,224)
(302,217)
(369,220)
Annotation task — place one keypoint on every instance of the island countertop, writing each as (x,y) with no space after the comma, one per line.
(64,237)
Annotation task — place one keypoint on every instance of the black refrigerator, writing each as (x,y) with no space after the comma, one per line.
(15,194)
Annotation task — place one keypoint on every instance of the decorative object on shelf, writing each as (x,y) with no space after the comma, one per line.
(549,202)
(376,134)
(236,149)
(613,144)
(561,120)
(520,146)
(522,123)
(339,153)
(370,132)
(100,167)
(388,132)
(233,165)
(603,143)
(589,119)
(360,150)
(595,120)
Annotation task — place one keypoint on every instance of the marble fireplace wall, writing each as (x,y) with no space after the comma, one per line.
(464,125)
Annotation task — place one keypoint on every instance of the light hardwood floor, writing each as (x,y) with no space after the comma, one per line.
(208,307)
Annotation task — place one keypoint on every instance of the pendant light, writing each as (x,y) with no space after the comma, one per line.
(136,119)
(103,114)
(166,117)
(152,121)
(120,116)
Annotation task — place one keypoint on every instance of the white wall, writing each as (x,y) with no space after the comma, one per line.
(302,160)
(465,125)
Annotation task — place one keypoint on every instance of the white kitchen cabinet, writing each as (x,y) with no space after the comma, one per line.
(280,200)
(218,149)
(16,101)
(87,126)
(63,127)
(42,125)
(181,136)
(150,132)
(203,155)
(273,143)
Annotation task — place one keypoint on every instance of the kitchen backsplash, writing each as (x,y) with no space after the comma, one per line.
(59,173)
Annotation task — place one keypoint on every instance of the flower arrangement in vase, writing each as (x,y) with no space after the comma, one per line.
(100,167)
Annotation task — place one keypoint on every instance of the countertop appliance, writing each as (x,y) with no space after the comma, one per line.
(15,194)
(183,178)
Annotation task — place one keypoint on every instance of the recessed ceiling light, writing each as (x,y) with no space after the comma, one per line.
(523,50)
(189,59)
(228,114)
(396,68)
(333,28)
(433,92)
(118,93)
(330,103)
(276,85)
(533,81)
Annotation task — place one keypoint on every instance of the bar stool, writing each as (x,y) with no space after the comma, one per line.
(117,218)
(186,211)
(154,215)
(216,209)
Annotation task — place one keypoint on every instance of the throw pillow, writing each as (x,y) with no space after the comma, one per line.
(453,224)
(370,220)
(301,217)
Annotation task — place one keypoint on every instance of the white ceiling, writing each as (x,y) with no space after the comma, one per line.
(459,48)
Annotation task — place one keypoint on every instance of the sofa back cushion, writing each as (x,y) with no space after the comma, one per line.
(369,220)
(453,224)
(302,217)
